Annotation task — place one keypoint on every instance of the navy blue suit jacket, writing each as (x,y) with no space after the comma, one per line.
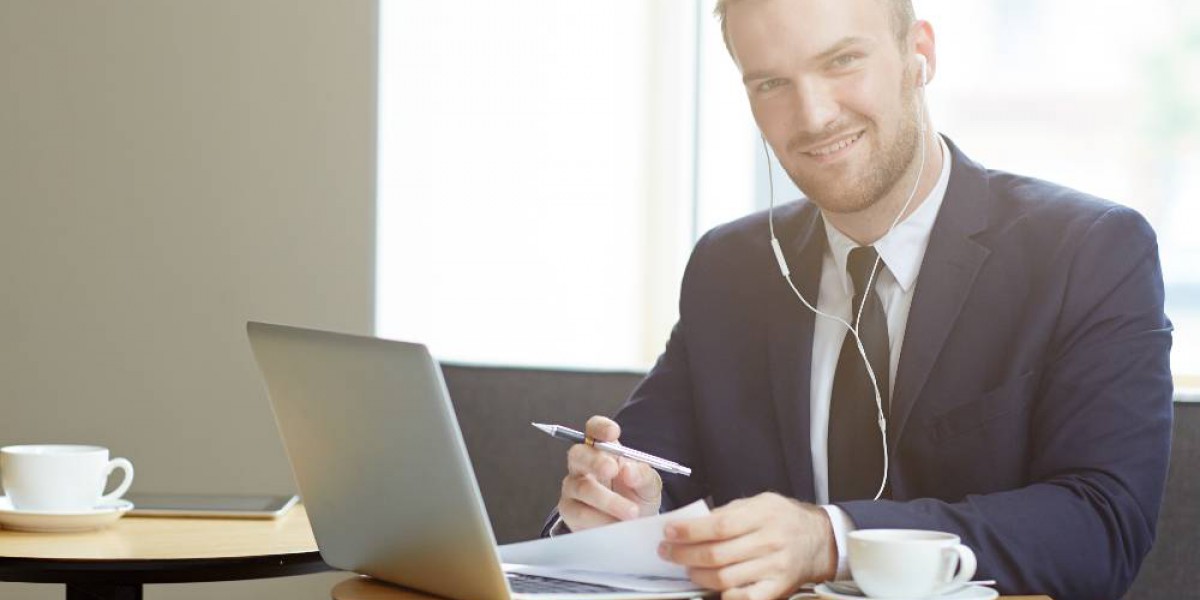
(1032,405)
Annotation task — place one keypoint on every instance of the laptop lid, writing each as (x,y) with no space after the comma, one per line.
(379,460)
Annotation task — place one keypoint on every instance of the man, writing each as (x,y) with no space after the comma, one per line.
(1014,328)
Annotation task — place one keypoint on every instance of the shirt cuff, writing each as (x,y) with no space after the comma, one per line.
(842,526)
(560,527)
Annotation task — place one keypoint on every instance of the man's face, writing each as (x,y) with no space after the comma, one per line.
(831,92)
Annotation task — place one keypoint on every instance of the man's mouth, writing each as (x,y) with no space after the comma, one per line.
(834,149)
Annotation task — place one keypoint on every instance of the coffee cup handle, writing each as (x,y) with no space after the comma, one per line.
(124,465)
(966,565)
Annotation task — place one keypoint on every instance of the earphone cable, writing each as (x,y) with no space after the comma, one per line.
(882,421)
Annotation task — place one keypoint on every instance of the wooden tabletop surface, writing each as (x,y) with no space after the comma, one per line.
(156,538)
(365,588)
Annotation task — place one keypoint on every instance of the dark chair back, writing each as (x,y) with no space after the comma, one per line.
(519,468)
(1172,569)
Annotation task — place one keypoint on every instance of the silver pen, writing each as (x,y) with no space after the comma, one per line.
(570,435)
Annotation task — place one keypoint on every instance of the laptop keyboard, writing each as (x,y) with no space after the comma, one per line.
(523,583)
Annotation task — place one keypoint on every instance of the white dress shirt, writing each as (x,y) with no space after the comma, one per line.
(901,251)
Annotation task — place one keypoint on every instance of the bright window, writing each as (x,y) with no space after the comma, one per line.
(546,165)
(535,177)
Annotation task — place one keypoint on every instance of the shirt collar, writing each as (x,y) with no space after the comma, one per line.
(903,248)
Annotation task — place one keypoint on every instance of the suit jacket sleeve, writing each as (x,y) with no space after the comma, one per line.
(1100,430)
(669,436)
(657,419)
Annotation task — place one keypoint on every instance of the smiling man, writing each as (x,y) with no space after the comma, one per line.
(920,342)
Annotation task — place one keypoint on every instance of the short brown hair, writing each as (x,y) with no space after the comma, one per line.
(902,15)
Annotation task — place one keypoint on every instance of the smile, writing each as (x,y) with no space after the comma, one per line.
(835,149)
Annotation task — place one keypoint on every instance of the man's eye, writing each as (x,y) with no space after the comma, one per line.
(770,84)
(845,60)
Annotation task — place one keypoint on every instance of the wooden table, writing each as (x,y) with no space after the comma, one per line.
(365,588)
(114,563)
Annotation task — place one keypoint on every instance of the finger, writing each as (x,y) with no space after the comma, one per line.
(717,526)
(734,576)
(587,490)
(580,516)
(710,555)
(765,589)
(602,429)
(582,460)
(639,480)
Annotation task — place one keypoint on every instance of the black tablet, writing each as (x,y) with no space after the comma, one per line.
(261,506)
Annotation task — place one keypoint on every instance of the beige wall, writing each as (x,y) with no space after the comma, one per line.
(168,170)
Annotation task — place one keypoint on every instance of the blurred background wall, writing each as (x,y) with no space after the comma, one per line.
(168,170)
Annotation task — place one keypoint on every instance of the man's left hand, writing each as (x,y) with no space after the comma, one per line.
(755,548)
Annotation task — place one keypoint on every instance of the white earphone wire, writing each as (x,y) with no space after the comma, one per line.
(882,421)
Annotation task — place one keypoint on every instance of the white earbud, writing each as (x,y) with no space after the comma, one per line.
(924,69)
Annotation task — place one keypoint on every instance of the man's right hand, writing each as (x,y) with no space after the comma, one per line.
(602,488)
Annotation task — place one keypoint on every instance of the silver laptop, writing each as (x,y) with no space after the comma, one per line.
(382,468)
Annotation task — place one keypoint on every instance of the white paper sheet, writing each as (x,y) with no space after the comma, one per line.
(625,548)
(640,583)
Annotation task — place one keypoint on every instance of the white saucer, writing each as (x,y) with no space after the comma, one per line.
(970,592)
(59,522)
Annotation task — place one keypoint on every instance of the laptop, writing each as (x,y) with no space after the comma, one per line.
(382,469)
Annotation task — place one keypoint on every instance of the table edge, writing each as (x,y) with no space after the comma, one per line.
(355,581)
(164,570)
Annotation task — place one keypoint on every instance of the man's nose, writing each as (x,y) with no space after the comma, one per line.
(816,107)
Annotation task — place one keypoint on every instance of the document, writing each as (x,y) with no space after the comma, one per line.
(623,554)
(639,583)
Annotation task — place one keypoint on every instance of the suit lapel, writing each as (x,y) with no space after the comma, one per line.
(952,260)
(790,334)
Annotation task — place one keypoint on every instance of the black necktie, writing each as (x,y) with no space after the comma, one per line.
(855,444)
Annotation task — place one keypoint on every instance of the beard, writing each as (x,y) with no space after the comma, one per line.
(888,163)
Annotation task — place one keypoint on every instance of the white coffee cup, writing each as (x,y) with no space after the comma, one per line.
(60,478)
(908,563)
